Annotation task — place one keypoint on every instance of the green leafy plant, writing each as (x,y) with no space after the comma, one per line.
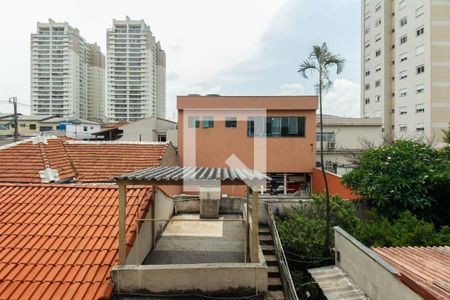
(405,175)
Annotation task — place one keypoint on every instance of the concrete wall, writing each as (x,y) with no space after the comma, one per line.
(191,204)
(164,206)
(334,185)
(378,279)
(232,278)
(147,129)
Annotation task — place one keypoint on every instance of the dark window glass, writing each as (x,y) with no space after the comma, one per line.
(276,126)
(208,122)
(32,126)
(230,122)
(193,122)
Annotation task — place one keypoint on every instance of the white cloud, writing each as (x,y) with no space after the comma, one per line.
(202,38)
(343,99)
(291,89)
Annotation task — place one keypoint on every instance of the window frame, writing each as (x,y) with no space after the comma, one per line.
(233,123)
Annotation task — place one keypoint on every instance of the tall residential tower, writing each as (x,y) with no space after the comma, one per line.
(66,72)
(136,72)
(405,69)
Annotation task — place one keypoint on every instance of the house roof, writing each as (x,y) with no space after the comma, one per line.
(52,159)
(426,270)
(179,174)
(26,161)
(103,160)
(59,241)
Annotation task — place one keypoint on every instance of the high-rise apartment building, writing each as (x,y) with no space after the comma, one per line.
(62,65)
(405,69)
(136,72)
(96,84)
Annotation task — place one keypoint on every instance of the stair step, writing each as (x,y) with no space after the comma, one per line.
(273,269)
(276,295)
(264,229)
(265,238)
(275,283)
(267,247)
(271,260)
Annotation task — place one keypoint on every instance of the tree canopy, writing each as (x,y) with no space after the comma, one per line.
(405,175)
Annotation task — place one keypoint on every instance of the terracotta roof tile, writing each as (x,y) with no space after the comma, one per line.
(59,241)
(81,161)
(426,270)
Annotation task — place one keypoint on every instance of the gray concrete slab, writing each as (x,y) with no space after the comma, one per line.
(194,242)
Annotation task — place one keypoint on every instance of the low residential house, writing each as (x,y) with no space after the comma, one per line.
(273,134)
(343,138)
(32,125)
(60,241)
(384,273)
(46,159)
(151,129)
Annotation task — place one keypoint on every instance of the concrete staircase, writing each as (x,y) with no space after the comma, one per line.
(266,243)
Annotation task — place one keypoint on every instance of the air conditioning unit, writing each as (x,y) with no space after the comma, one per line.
(331,145)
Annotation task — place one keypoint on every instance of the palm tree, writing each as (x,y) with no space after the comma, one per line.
(321,60)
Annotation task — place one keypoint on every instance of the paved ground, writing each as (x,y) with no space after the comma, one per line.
(192,242)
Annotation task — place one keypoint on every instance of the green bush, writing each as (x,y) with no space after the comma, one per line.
(407,230)
(404,176)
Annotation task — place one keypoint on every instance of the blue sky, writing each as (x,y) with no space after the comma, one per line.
(231,47)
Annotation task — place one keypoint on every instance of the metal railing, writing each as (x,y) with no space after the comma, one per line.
(286,279)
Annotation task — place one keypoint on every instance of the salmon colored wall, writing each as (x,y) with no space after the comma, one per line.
(215,145)
(334,185)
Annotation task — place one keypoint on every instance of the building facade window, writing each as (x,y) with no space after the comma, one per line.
(403,39)
(378,7)
(403,57)
(231,122)
(403,22)
(367,72)
(419,11)
(367,30)
(403,75)
(367,101)
(378,53)
(367,86)
(208,122)
(377,83)
(420,127)
(419,31)
(377,98)
(367,59)
(367,45)
(420,50)
(403,92)
(276,126)
(402,4)
(193,122)
(377,68)
(420,108)
(377,22)
(403,127)
(420,69)
(403,110)
(162,137)
(378,37)
(32,126)
(420,88)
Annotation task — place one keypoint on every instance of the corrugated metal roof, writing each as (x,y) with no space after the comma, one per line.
(194,173)
(426,270)
(336,284)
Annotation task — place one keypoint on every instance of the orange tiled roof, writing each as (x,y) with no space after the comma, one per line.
(81,161)
(24,161)
(426,270)
(59,241)
(101,161)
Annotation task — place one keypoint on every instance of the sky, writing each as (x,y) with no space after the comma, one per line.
(229,47)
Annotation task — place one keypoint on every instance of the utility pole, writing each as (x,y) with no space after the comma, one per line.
(13,100)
